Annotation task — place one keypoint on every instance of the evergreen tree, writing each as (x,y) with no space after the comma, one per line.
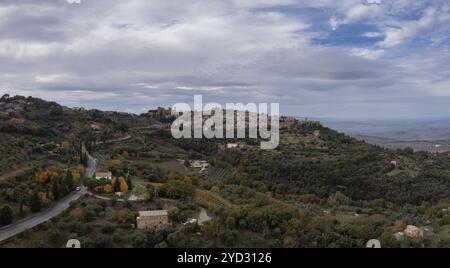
(21,206)
(81,153)
(85,159)
(6,216)
(129,183)
(35,202)
(55,190)
(68,181)
(117,186)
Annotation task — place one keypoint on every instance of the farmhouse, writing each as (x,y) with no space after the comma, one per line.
(232,145)
(199,164)
(413,231)
(103,175)
(152,219)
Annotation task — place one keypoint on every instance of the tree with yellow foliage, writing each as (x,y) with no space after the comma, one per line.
(115,163)
(173,176)
(44,199)
(215,189)
(41,177)
(123,185)
(188,179)
(76,177)
(64,148)
(108,188)
(147,196)
(46,176)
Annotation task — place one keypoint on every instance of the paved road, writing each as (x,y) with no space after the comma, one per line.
(91,166)
(60,206)
(203,217)
(127,137)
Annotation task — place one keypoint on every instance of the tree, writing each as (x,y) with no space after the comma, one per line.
(129,183)
(21,201)
(20,197)
(123,186)
(176,189)
(35,202)
(148,239)
(65,146)
(81,153)
(108,188)
(54,237)
(55,190)
(68,181)
(44,198)
(116,185)
(6,216)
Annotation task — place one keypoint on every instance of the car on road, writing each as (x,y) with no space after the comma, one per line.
(78,188)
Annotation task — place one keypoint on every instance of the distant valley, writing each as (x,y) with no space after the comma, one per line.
(432,135)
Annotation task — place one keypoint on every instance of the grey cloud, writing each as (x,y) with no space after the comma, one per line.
(131,55)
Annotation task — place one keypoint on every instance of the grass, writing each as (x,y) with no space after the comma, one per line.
(173,166)
(165,166)
(139,186)
(210,197)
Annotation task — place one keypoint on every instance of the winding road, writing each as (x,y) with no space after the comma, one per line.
(36,219)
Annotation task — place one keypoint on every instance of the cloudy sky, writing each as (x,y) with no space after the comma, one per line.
(320,58)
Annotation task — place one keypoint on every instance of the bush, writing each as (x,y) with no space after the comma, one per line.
(102,242)
(6,216)
(54,237)
(108,229)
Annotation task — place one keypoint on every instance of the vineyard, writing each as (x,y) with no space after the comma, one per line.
(216,173)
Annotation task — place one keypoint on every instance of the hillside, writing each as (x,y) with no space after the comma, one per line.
(319,188)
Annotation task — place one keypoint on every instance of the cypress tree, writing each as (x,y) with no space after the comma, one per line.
(35,202)
(81,153)
(68,181)
(130,185)
(55,190)
(117,186)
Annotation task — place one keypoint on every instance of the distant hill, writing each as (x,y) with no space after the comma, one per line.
(318,188)
(311,158)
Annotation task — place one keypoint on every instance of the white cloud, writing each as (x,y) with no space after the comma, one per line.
(408,30)
(48,78)
(357,12)
(372,34)
(367,53)
(334,23)
(27,50)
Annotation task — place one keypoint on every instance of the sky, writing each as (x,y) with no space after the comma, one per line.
(317,58)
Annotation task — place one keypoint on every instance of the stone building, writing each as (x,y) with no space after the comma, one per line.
(103,175)
(152,219)
(232,145)
(413,231)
